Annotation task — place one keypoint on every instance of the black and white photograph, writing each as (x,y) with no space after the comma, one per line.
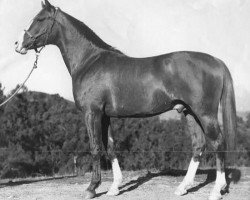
(124,99)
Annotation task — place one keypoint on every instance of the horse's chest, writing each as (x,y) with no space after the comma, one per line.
(86,94)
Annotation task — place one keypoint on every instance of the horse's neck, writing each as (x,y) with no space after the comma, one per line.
(75,48)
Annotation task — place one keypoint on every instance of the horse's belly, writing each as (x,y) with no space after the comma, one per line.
(139,104)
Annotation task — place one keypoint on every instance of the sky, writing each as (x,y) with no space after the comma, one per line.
(139,28)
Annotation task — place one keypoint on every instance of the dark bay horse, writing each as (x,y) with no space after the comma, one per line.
(107,83)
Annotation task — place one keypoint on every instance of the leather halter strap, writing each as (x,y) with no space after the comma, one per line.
(47,31)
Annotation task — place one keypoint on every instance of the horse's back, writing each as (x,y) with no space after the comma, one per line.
(192,77)
(147,86)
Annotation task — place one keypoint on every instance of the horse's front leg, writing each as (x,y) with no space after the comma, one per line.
(94,128)
(108,142)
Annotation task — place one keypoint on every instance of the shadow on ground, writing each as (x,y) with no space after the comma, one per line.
(233,175)
(29,181)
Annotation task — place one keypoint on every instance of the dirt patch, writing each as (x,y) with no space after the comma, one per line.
(136,186)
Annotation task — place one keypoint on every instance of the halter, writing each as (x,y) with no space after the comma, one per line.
(47,31)
(34,38)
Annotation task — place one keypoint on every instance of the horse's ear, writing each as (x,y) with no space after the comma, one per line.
(46,4)
(43,5)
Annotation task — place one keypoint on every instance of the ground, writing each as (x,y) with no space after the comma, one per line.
(137,185)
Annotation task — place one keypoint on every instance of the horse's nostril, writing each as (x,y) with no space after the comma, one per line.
(16,43)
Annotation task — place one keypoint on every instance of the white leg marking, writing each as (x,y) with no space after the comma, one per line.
(189,178)
(111,139)
(220,178)
(220,183)
(117,174)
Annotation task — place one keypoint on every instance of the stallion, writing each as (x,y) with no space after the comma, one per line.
(107,83)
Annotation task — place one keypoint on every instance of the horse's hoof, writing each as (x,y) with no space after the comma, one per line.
(215,196)
(180,191)
(113,192)
(90,194)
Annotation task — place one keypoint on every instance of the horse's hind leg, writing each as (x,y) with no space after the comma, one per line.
(220,182)
(198,145)
(217,140)
(109,146)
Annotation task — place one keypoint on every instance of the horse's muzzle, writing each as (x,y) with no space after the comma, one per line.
(20,49)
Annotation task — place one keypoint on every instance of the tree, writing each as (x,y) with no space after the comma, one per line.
(2,98)
(248,120)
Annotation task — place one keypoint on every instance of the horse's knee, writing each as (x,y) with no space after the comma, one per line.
(217,139)
(197,136)
(219,143)
(110,145)
(213,132)
(110,148)
(96,153)
(198,150)
(111,154)
(211,127)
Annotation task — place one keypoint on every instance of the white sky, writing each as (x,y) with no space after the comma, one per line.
(138,28)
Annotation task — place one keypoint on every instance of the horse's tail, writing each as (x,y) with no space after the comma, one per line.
(229,111)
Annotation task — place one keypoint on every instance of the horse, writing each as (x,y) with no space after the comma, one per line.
(109,84)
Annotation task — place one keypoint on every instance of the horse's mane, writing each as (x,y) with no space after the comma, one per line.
(90,34)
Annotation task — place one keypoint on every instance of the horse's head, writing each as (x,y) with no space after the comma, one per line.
(40,31)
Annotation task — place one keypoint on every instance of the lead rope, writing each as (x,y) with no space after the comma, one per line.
(35,63)
(20,87)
